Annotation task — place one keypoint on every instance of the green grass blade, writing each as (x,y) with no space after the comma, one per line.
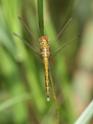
(40,17)
(13,101)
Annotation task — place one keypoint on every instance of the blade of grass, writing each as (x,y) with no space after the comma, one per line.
(86,115)
(40,17)
(13,101)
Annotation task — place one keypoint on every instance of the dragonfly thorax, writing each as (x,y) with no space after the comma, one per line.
(44,46)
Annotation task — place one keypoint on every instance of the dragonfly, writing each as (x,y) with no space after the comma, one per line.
(45,52)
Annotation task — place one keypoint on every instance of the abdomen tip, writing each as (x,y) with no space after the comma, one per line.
(48,98)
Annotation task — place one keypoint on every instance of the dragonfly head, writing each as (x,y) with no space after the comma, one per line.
(43,38)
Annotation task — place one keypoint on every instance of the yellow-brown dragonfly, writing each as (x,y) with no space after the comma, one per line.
(45,52)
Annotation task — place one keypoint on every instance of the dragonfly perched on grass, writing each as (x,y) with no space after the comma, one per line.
(45,52)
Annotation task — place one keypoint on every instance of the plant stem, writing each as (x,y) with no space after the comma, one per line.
(40,17)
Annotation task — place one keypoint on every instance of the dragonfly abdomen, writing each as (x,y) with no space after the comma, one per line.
(46,69)
(45,53)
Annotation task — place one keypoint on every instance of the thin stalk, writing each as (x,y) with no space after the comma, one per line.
(40,17)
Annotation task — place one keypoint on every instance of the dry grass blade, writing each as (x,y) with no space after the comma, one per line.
(86,115)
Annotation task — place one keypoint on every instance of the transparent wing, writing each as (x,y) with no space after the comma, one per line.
(65,44)
(61,32)
(64,27)
(35,50)
(60,49)
(28,30)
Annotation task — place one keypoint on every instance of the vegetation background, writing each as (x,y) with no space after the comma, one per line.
(22,91)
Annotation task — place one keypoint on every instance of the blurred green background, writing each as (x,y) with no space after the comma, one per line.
(22,90)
